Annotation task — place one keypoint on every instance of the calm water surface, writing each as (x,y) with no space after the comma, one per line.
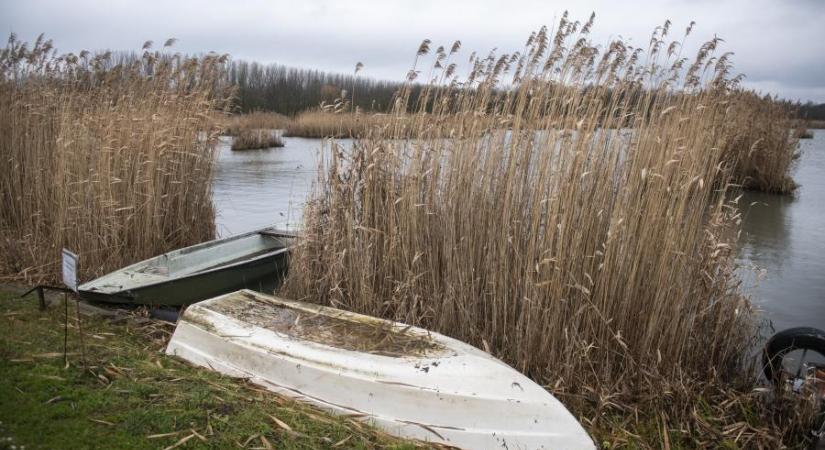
(257,188)
(782,247)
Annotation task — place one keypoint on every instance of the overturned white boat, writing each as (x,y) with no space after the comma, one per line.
(408,381)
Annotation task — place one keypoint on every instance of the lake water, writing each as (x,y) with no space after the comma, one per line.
(257,188)
(783,237)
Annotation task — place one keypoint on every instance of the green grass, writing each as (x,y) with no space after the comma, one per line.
(130,390)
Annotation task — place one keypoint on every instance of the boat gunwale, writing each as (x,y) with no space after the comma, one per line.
(286,234)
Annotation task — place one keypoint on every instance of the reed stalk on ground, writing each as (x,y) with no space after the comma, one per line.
(579,223)
(112,160)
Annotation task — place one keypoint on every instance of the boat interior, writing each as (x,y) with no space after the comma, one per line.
(203,257)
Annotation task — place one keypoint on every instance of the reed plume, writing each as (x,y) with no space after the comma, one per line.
(567,208)
(111,157)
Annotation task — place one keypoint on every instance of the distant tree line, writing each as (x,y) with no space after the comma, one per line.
(290,90)
(811,111)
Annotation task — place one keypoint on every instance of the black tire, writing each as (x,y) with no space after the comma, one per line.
(786,341)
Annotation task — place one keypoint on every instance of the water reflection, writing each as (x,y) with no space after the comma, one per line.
(784,237)
(766,228)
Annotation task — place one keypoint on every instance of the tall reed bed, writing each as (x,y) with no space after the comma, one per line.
(816,124)
(112,159)
(257,139)
(329,122)
(235,124)
(801,131)
(762,143)
(566,208)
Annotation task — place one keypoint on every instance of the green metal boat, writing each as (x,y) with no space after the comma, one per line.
(256,260)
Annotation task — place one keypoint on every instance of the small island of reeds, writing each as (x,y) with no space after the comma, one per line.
(256,139)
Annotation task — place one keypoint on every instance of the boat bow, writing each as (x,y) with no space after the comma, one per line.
(405,380)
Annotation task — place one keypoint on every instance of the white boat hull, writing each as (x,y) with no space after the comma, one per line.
(447,392)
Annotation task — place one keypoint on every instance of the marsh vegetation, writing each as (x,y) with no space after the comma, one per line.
(598,262)
(251,139)
(110,159)
(570,208)
(327,123)
(233,125)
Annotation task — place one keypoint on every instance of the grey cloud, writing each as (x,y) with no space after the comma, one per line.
(778,45)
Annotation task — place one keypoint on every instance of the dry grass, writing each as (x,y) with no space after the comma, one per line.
(235,124)
(332,124)
(255,139)
(590,245)
(802,132)
(760,143)
(328,123)
(113,161)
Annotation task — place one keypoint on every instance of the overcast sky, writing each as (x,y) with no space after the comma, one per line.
(779,45)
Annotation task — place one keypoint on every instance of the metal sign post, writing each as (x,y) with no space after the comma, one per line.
(70,265)
(70,280)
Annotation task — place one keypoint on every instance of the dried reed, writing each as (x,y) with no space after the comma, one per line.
(760,143)
(112,159)
(576,224)
(256,139)
(802,132)
(258,120)
(329,123)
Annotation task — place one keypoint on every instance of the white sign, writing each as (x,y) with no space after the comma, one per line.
(70,269)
